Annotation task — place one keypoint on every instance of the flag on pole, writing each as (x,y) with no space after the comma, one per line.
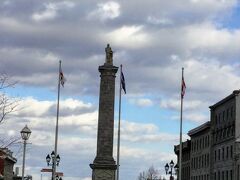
(183,87)
(62,78)
(123,82)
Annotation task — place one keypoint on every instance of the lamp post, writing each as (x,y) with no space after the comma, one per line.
(25,133)
(50,162)
(170,171)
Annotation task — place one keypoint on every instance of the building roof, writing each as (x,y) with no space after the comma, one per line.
(234,93)
(199,128)
(5,153)
(185,145)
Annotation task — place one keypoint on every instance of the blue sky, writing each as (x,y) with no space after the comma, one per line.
(152,39)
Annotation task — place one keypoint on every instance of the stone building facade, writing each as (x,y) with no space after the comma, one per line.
(224,117)
(215,145)
(186,158)
(7,162)
(200,152)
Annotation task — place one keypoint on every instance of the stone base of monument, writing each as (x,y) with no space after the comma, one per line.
(103,171)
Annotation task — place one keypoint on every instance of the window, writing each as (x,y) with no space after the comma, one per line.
(226,175)
(194,163)
(224,133)
(222,175)
(220,134)
(227,152)
(219,153)
(206,140)
(203,143)
(215,155)
(227,113)
(200,146)
(231,112)
(231,151)
(228,132)
(233,131)
(200,161)
(231,175)
(223,115)
(207,160)
(223,153)
(197,145)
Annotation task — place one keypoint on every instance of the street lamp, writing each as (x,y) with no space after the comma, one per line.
(50,162)
(25,133)
(171,165)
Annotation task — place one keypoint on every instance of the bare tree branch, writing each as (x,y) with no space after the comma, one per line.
(150,174)
(8,105)
(5,82)
(5,143)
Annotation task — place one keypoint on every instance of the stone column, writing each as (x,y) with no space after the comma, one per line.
(104,166)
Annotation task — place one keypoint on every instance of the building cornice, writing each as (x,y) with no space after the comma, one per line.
(234,93)
(200,128)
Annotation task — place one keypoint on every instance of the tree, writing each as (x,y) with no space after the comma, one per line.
(7,106)
(150,174)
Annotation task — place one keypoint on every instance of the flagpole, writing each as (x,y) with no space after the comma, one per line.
(119,123)
(180,150)
(56,129)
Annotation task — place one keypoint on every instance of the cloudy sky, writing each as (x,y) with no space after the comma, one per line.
(153,39)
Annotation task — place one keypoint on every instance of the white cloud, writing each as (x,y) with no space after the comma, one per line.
(145,133)
(174,104)
(212,37)
(159,21)
(208,76)
(197,117)
(41,116)
(150,138)
(129,127)
(87,178)
(142,102)
(51,11)
(132,37)
(217,4)
(30,107)
(11,133)
(105,11)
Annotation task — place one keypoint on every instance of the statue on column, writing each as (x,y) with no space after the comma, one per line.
(109,55)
